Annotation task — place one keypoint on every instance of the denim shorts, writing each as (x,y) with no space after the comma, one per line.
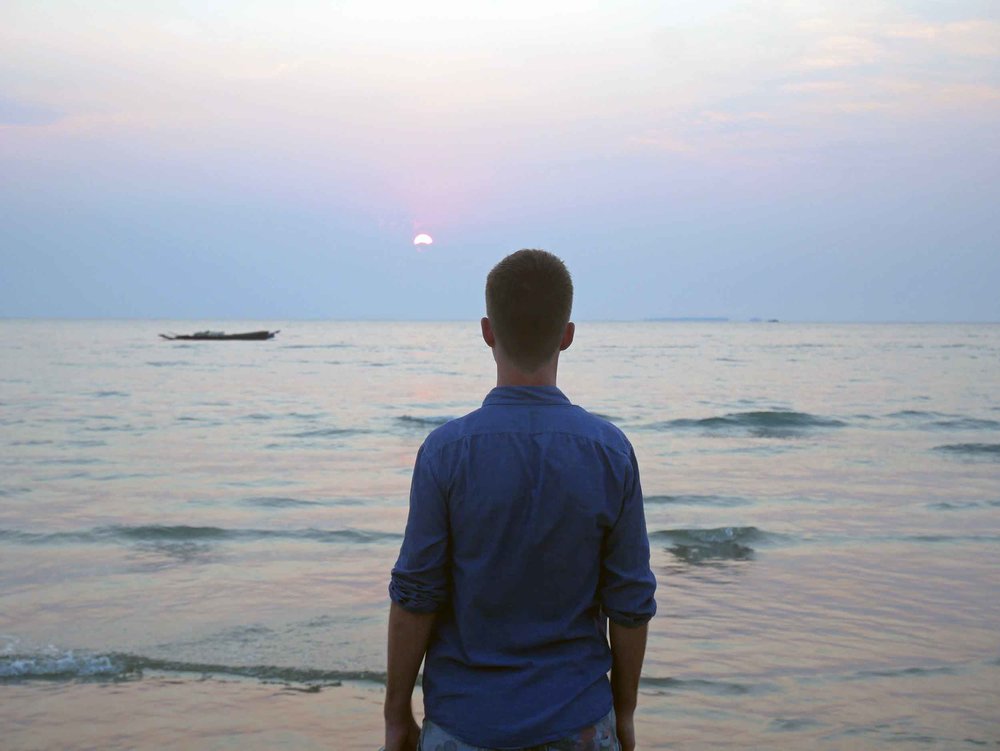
(597,737)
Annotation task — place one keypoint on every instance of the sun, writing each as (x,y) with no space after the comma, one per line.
(423,239)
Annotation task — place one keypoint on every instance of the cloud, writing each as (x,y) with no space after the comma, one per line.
(972,38)
(844,51)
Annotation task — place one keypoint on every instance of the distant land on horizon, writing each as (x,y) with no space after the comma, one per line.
(692,319)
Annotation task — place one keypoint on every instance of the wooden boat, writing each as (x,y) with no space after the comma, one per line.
(218,336)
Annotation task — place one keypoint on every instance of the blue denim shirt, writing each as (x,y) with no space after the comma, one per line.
(525,533)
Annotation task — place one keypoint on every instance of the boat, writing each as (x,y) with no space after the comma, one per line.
(219,336)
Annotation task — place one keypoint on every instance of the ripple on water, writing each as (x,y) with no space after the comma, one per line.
(703,686)
(181,533)
(326,433)
(792,724)
(971,450)
(696,500)
(277,502)
(422,422)
(963,505)
(759,424)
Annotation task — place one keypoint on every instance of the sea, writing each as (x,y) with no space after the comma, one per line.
(196,537)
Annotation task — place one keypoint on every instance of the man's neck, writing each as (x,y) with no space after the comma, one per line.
(508,375)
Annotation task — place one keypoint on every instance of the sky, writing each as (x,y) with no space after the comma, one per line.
(808,161)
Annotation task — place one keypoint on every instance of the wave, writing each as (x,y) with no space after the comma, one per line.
(915,413)
(766,423)
(967,423)
(13,491)
(711,536)
(271,502)
(792,724)
(716,688)
(943,421)
(932,538)
(696,500)
(261,416)
(156,533)
(911,672)
(986,450)
(721,543)
(962,505)
(423,422)
(327,433)
(71,665)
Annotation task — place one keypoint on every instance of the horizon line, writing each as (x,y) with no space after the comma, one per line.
(650,320)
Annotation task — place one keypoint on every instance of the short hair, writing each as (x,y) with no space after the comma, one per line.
(529,297)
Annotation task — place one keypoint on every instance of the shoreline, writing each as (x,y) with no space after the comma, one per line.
(167,711)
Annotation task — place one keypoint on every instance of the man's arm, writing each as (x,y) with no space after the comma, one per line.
(409,635)
(626,591)
(628,648)
(418,589)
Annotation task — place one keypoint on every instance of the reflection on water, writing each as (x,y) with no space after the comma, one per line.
(183,523)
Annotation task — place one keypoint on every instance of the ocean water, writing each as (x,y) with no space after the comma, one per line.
(195,537)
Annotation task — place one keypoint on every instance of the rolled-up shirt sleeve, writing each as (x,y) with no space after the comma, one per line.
(627,584)
(420,578)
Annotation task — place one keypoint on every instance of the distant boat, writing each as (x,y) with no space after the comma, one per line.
(213,336)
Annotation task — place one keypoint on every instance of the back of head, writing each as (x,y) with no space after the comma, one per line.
(529,296)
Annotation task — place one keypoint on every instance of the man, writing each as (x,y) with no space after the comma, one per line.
(526,534)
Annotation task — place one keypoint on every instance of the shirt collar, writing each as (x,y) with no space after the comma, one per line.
(526,396)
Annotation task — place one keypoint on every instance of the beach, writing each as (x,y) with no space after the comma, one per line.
(196,537)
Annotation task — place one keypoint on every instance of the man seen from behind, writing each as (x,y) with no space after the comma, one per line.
(525,537)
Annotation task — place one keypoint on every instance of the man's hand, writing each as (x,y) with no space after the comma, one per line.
(625,728)
(401,734)
(409,634)
(628,646)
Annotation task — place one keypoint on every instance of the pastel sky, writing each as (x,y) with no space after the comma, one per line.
(798,160)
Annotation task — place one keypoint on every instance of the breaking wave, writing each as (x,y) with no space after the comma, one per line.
(721,543)
(116,666)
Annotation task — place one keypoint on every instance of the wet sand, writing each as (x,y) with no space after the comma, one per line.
(166,712)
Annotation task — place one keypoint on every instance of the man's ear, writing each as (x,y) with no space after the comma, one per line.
(567,337)
(488,336)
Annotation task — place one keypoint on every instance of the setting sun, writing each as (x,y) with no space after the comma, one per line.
(423,239)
